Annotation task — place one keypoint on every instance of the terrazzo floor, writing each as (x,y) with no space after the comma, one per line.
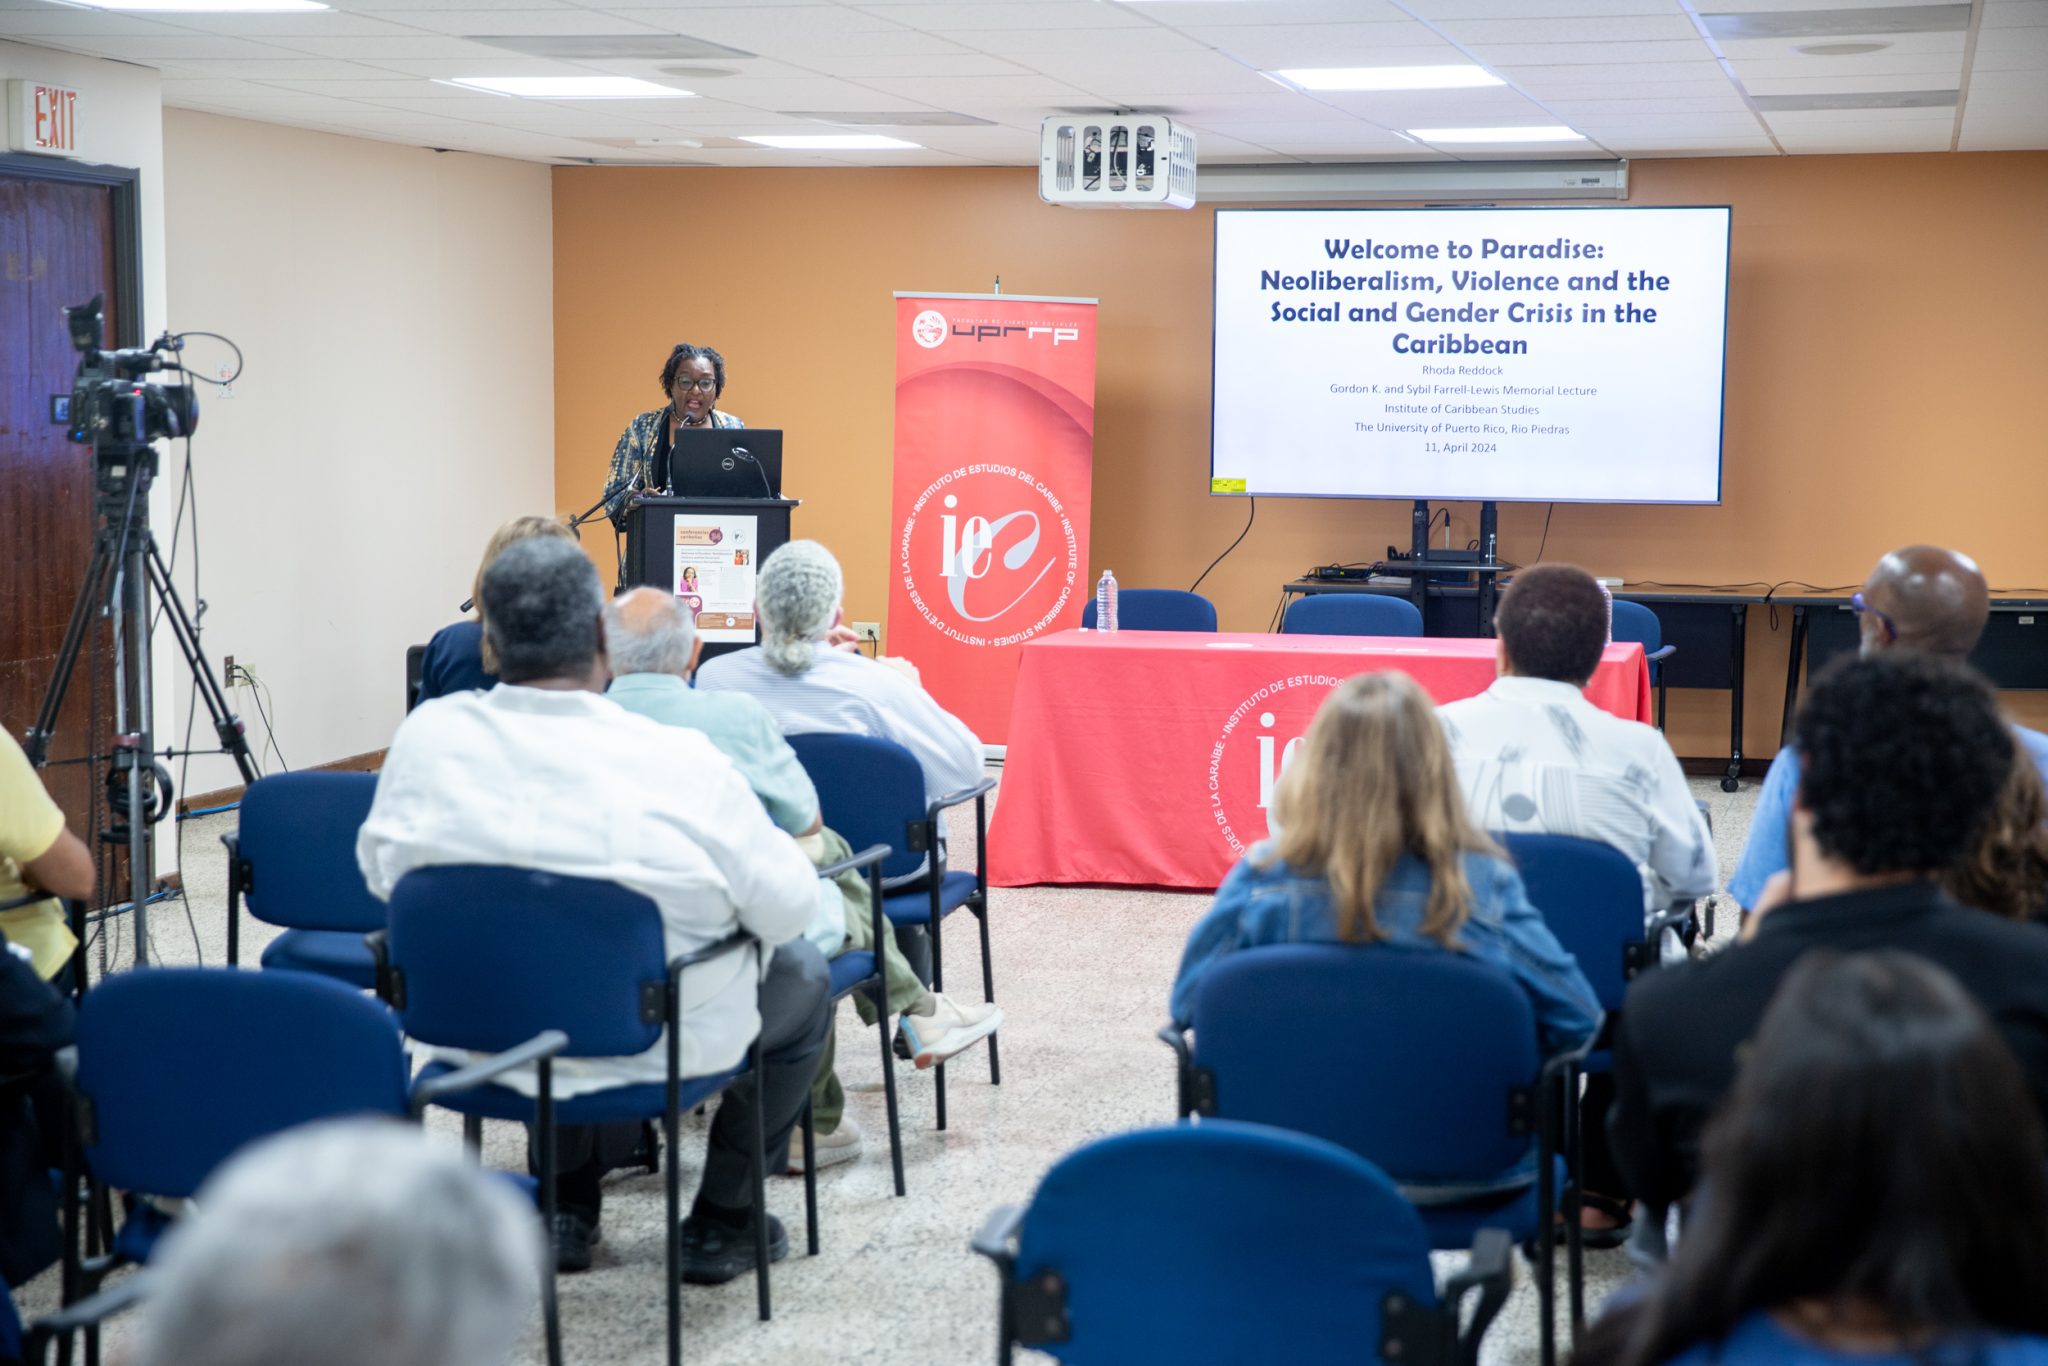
(1082,975)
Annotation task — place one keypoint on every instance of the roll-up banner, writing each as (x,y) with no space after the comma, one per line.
(995,442)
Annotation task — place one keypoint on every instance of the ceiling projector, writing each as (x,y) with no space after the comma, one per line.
(1116,161)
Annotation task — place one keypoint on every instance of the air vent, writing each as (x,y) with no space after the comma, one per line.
(1869,99)
(1839,23)
(609,47)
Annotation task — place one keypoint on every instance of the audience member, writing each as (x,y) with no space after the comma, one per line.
(344,1242)
(654,648)
(1373,844)
(1876,1190)
(544,772)
(1534,756)
(1922,598)
(2007,873)
(809,673)
(459,657)
(35,1022)
(38,853)
(1902,759)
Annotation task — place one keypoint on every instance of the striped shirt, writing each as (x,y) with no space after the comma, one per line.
(1535,757)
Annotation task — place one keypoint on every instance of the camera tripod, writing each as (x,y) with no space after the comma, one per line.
(125,568)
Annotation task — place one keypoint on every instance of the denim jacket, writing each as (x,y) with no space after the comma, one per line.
(1276,905)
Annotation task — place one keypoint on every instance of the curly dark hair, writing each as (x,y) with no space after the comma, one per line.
(683,355)
(1902,757)
(1553,619)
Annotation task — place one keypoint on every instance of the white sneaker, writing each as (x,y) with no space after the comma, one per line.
(841,1145)
(948,1029)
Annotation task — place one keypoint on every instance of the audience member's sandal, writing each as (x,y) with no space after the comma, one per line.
(1600,1237)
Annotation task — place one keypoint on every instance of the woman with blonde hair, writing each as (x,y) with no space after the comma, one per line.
(459,658)
(1372,844)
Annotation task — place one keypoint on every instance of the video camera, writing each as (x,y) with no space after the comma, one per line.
(108,407)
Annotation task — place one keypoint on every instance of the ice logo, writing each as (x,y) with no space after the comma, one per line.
(968,551)
(928,328)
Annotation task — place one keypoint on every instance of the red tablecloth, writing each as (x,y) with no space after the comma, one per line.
(1145,757)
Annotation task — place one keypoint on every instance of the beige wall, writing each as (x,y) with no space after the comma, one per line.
(1886,346)
(393,305)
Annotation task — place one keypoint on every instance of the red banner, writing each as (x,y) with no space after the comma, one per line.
(995,440)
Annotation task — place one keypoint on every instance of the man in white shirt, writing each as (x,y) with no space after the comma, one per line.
(809,673)
(1534,756)
(545,772)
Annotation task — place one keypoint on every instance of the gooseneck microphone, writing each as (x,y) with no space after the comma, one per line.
(742,453)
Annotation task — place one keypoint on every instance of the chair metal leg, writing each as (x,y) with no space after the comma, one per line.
(938,985)
(988,993)
(1546,1238)
(760,1182)
(670,1123)
(544,1120)
(1575,1248)
(473,1137)
(879,994)
(810,1182)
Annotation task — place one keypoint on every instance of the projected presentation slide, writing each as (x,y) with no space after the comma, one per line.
(1567,355)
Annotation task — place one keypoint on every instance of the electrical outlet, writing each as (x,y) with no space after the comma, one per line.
(227,672)
(868,630)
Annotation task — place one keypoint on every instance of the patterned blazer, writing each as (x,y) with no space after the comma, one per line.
(634,455)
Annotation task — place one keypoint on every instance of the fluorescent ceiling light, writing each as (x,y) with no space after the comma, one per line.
(571,87)
(1537,132)
(200,6)
(831,142)
(1460,77)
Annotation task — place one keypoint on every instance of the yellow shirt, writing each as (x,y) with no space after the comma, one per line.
(29,826)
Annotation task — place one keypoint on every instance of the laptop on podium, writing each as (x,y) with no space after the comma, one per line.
(726,462)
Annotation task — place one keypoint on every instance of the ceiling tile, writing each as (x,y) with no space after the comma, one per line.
(1523,9)
(1581,54)
(1643,28)
(1006,14)
(522,22)
(1310,45)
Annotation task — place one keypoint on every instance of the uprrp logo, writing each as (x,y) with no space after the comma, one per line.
(928,329)
(1258,741)
(988,555)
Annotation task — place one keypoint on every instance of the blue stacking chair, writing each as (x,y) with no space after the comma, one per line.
(1230,1242)
(1420,1060)
(1635,622)
(293,863)
(860,970)
(1351,614)
(1157,609)
(482,957)
(871,791)
(180,1068)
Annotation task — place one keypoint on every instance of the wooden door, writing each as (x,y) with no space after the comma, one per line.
(57,245)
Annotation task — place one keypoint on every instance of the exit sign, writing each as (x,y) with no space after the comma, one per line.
(42,118)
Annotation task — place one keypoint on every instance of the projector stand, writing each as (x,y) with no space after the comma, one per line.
(1484,564)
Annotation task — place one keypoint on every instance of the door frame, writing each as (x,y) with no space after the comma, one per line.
(126,184)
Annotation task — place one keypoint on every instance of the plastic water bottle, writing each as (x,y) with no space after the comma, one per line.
(1608,594)
(1105,602)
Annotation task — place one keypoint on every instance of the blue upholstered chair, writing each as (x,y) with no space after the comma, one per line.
(1157,609)
(180,1068)
(871,791)
(1442,1082)
(860,970)
(1351,614)
(292,861)
(1635,622)
(588,960)
(1223,1241)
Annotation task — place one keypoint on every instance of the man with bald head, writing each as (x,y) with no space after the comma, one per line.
(652,642)
(1922,598)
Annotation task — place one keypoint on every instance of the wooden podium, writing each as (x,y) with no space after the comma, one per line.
(715,534)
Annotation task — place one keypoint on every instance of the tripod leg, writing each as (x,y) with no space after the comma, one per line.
(83,609)
(134,726)
(226,724)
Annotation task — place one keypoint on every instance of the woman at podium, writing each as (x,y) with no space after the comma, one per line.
(694,380)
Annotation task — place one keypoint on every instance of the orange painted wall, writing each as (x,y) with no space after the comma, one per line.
(1887,361)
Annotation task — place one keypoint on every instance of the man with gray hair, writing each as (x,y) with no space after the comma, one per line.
(545,772)
(653,645)
(809,673)
(340,1243)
